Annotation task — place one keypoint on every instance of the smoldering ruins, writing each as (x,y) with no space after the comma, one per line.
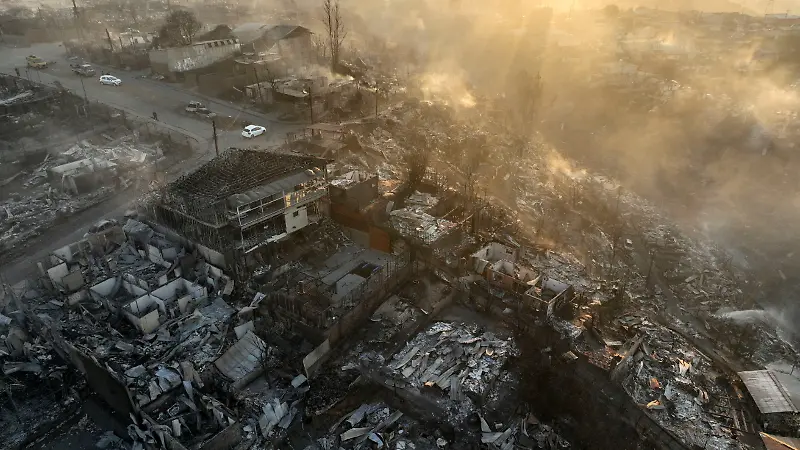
(552,245)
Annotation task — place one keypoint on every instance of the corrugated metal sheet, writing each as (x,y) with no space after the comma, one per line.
(767,391)
(285,184)
(243,358)
(773,442)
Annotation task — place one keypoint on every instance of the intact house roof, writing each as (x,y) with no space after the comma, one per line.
(239,171)
(252,31)
(249,32)
(279,32)
(768,391)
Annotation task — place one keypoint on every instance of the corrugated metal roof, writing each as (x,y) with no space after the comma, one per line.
(767,391)
(243,358)
(249,32)
(773,442)
(285,184)
(252,31)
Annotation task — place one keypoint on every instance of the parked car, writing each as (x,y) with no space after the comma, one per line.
(84,70)
(35,62)
(252,131)
(110,80)
(194,106)
(101,226)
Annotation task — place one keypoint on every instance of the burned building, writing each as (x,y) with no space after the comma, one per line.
(238,203)
(327,300)
(282,47)
(356,205)
(520,287)
(775,394)
(173,62)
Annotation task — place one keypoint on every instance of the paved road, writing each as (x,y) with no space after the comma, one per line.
(142,96)
(137,96)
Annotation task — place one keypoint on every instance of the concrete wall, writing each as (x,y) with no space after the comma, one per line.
(358,195)
(57,273)
(198,56)
(380,240)
(495,251)
(184,292)
(225,439)
(357,236)
(296,218)
(212,256)
(314,360)
(145,322)
(160,57)
(162,256)
(105,288)
(69,252)
(108,387)
(192,57)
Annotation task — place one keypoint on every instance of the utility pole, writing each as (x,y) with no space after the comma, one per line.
(216,144)
(85,97)
(650,268)
(110,42)
(311,103)
(376,101)
(76,15)
(258,86)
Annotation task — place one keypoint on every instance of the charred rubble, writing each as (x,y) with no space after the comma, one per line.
(334,299)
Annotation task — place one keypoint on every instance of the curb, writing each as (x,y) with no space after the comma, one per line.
(148,119)
(228,104)
(174,128)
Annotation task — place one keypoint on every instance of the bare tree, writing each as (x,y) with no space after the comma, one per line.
(334,26)
(132,8)
(180,28)
(416,159)
(474,154)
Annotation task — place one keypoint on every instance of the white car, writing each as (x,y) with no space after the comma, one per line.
(110,80)
(251,131)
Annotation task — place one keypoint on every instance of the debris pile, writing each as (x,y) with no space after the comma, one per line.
(414,223)
(23,218)
(676,383)
(525,432)
(455,358)
(125,152)
(188,417)
(15,98)
(370,422)
(79,178)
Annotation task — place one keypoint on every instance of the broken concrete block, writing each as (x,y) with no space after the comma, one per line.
(299,381)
